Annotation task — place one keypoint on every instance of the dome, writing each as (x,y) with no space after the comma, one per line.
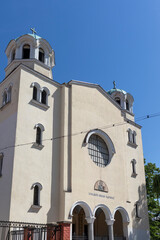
(30,50)
(122,98)
(32,35)
(116,90)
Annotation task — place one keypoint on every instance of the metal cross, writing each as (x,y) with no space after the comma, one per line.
(33,30)
(114,84)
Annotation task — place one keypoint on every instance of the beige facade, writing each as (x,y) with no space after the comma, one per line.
(53,169)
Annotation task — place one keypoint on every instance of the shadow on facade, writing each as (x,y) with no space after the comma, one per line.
(53,212)
(140,216)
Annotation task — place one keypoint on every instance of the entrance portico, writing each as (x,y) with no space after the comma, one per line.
(99,225)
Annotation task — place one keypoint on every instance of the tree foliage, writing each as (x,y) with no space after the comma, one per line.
(153,194)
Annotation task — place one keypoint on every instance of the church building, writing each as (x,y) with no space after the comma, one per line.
(70,154)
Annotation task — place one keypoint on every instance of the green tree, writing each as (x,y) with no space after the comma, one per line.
(152,183)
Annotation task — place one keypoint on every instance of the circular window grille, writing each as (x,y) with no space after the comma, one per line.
(98,150)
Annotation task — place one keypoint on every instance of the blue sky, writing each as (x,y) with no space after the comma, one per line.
(98,41)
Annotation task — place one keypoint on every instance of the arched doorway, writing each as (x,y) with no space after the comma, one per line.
(79,224)
(118,226)
(100,226)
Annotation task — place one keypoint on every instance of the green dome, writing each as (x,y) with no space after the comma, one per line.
(30,34)
(34,35)
(116,90)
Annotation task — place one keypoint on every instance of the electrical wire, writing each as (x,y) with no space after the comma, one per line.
(86,131)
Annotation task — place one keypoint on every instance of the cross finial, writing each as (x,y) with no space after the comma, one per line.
(33,30)
(114,84)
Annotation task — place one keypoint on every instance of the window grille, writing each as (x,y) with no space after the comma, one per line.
(98,150)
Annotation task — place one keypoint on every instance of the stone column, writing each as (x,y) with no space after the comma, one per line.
(90,221)
(110,228)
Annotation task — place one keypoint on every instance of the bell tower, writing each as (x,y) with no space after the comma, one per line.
(30,50)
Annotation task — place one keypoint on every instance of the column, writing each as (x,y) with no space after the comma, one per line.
(110,229)
(90,221)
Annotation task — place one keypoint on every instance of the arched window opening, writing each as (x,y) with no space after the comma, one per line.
(36,195)
(118,100)
(100,226)
(118,226)
(134,137)
(133,162)
(79,224)
(41,55)
(9,93)
(137,209)
(5,98)
(1,163)
(98,150)
(26,51)
(13,55)
(35,93)
(44,97)
(127,105)
(39,136)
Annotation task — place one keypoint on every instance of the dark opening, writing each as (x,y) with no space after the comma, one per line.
(38,136)
(1,163)
(4,98)
(41,55)
(133,167)
(44,96)
(13,55)
(26,51)
(133,136)
(118,100)
(127,105)
(36,193)
(34,93)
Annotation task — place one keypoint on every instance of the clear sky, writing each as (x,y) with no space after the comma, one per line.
(98,41)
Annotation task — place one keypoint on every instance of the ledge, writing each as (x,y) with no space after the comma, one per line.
(39,104)
(37,146)
(4,105)
(134,145)
(36,207)
(134,175)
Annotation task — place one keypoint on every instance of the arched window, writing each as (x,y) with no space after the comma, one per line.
(36,193)
(98,150)
(26,51)
(39,136)
(13,55)
(9,93)
(127,105)
(133,162)
(34,93)
(37,187)
(41,55)
(44,97)
(1,163)
(39,129)
(5,98)
(118,100)
(134,137)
